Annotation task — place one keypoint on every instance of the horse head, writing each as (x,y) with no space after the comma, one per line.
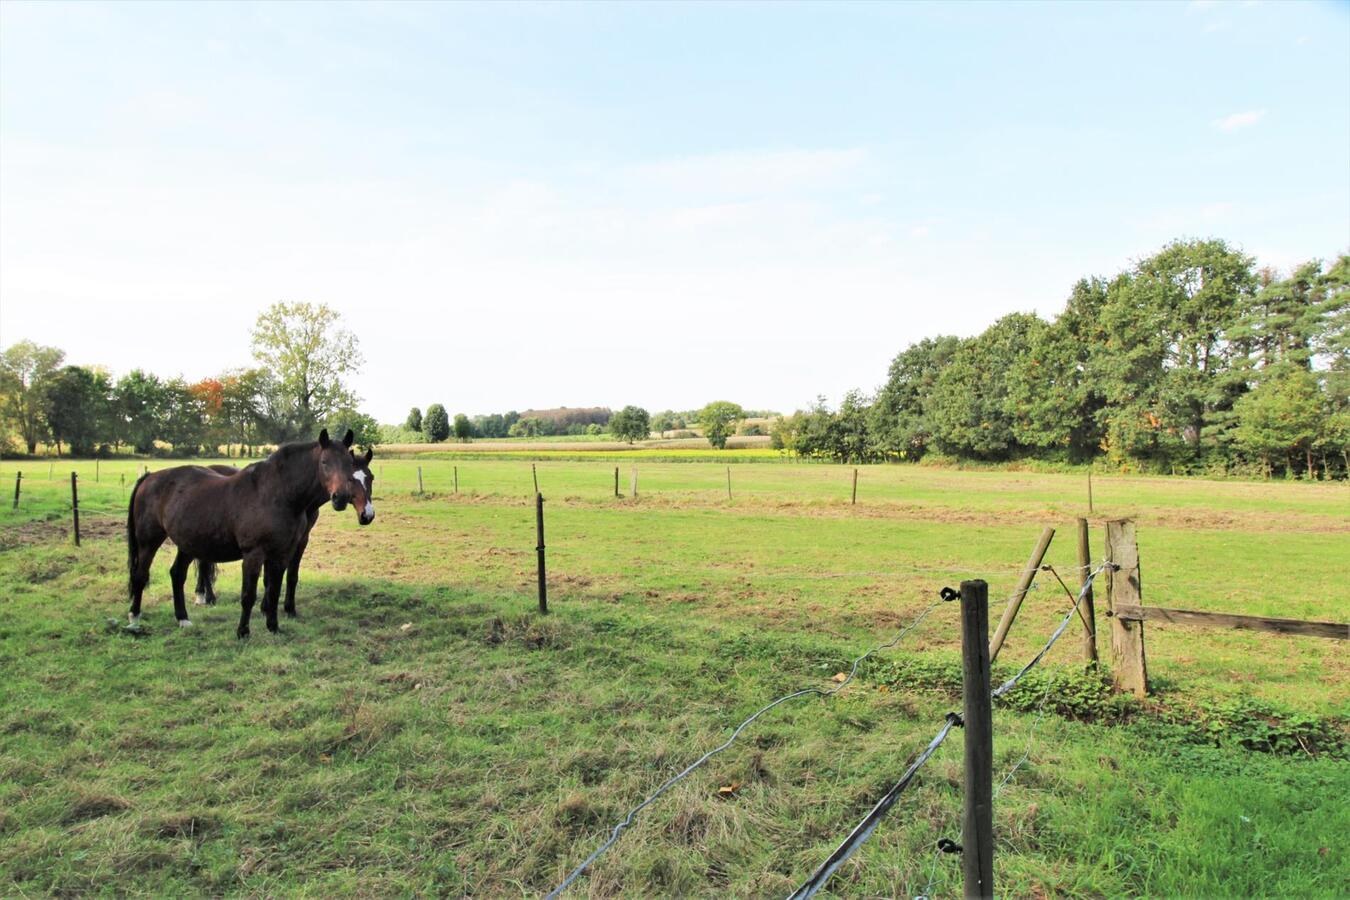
(363,496)
(336,468)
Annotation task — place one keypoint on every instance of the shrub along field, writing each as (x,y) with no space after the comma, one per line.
(420,728)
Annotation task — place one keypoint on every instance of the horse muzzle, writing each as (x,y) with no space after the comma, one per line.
(366,515)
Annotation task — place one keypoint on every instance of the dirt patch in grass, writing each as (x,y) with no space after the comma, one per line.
(94,805)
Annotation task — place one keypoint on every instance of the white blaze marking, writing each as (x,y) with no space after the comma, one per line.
(200,600)
(360,477)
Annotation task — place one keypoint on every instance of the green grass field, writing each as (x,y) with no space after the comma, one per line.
(421,730)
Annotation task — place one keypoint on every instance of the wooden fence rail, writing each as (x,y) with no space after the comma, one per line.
(1334,630)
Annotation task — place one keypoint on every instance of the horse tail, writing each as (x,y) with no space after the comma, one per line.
(133,547)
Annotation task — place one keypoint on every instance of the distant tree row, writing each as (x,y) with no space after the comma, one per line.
(1192,360)
(303,356)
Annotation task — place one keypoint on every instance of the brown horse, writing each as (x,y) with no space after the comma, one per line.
(259,515)
(206,570)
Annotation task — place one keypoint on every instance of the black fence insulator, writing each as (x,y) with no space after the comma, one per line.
(947,845)
(949,594)
(955,719)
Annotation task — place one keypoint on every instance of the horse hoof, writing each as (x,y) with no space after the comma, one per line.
(273,627)
(184,623)
(135,620)
(199,600)
(291,614)
(242,632)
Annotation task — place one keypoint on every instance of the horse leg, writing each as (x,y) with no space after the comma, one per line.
(206,583)
(253,564)
(293,575)
(178,577)
(140,575)
(272,580)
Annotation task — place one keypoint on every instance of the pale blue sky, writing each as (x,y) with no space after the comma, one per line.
(519,205)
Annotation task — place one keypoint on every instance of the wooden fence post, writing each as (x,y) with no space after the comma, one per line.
(535,472)
(1085,608)
(1123,588)
(728,482)
(419,480)
(96,478)
(456,479)
(977,820)
(634,482)
(18,477)
(1020,593)
(616,481)
(539,529)
(855,487)
(75,507)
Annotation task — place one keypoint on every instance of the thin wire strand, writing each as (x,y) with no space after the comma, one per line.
(1087,585)
(627,821)
(864,829)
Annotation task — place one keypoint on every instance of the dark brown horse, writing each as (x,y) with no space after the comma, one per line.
(206,571)
(259,515)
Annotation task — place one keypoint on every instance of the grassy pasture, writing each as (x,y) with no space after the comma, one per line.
(420,730)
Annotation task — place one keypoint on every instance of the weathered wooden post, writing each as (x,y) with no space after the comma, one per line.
(855,487)
(18,477)
(1123,588)
(728,482)
(1023,585)
(539,529)
(1085,608)
(456,479)
(616,481)
(75,507)
(419,480)
(977,819)
(634,482)
(535,472)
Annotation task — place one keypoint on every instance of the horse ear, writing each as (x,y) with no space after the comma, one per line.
(370,454)
(348,438)
(323,439)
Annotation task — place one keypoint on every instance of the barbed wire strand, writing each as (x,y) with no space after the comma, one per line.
(864,829)
(628,820)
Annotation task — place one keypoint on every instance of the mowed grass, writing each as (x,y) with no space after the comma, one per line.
(420,729)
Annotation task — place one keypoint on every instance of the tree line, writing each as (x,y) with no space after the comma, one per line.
(1191,360)
(302,356)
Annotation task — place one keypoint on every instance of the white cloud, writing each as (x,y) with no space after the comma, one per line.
(1240,120)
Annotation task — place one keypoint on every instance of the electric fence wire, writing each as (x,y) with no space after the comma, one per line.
(628,820)
(1068,617)
(865,828)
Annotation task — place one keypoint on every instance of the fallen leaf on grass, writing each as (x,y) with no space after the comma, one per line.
(727,791)
(840,677)
(406,626)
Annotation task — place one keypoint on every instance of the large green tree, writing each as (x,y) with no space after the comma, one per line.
(77,408)
(632,423)
(140,405)
(969,402)
(1053,396)
(1169,367)
(718,421)
(1280,416)
(309,354)
(436,423)
(26,369)
(900,423)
